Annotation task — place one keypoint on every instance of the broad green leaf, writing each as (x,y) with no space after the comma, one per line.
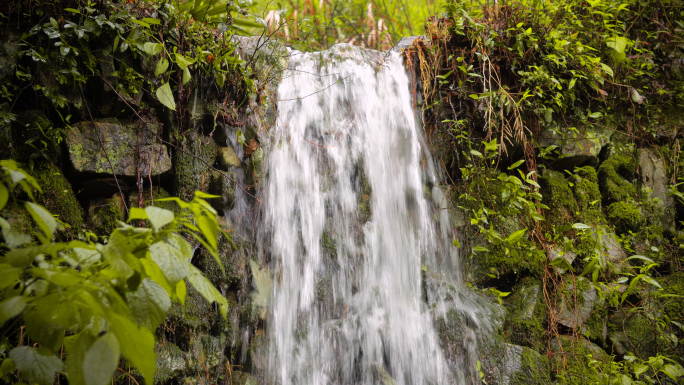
(515,237)
(136,213)
(607,69)
(42,217)
(183,62)
(4,196)
(7,367)
(618,43)
(8,276)
(209,228)
(13,238)
(674,371)
(76,347)
(181,292)
(162,66)
(183,248)
(39,365)
(207,290)
(152,49)
(11,308)
(159,217)
(86,257)
(580,226)
(170,261)
(479,248)
(186,75)
(136,343)
(149,304)
(101,360)
(154,273)
(165,96)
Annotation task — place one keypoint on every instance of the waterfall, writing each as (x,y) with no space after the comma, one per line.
(349,226)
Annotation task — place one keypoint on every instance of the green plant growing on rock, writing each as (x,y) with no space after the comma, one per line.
(95,302)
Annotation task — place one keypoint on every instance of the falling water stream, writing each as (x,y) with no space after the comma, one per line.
(349,222)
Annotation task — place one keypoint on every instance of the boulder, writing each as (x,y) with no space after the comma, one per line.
(262,282)
(574,310)
(171,362)
(576,149)
(653,175)
(519,365)
(557,252)
(104,214)
(121,142)
(227,158)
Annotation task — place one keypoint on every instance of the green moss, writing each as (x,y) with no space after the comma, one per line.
(535,369)
(612,175)
(625,216)
(571,361)
(519,262)
(673,303)
(58,197)
(587,195)
(104,216)
(557,194)
(525,322)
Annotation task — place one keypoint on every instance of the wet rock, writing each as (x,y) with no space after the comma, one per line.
(576,309)
(527,312)
(104,214)
(241,378)
(121,142)
(227,158)
(8,54)
(519,365)
(406,42)
(576,149)
(263,285)
(171,362)
(221,183)
(568,256)
(206,352)
(191,164)
(654,176)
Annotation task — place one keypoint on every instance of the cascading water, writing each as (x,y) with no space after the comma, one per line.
(348,228)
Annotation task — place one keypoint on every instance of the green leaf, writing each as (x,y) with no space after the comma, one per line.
(11,308)
(152,49)
(207,290)
(137,213)
(137,345)
(580,226)
(13,238)
(479,248)
(159,217)
(170,261)
(516,164)
(515,237)
(76,347)
(209,228)
(165,96)
(149,304)
(183,62)
(607,69)
(7,367)
(42,217)
(140,22)
(162,66)
(101,360)
(72,10)
(38,365)
(4,196)
(152,21)
(617,43)
(186,75)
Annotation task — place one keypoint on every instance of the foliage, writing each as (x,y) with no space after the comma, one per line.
(378,24)
(96,302)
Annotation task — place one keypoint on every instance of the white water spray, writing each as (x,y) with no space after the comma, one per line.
(349,229)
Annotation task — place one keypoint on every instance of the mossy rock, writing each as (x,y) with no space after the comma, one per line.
(587,194)
(615,175)
(673,306)
(625,216)
(571,360)
(58,197)
(557,194)
(150,197)
(525,321)
(637,334)
(535,369)
(35,137)
(191,161)
(497,265)
(104,214)
(171,362)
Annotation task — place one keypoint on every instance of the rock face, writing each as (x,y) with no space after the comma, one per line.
(128,146)
(579,149)
(575,310)
(653,175)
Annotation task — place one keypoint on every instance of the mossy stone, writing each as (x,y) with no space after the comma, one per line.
(525,322)
(557,194)
(625,216)
(58,197)
(104,215)
(614,177)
